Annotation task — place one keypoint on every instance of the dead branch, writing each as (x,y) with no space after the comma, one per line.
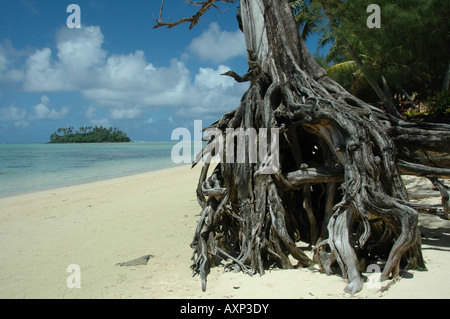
(193,20)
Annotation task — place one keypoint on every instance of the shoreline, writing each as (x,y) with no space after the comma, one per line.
(100,224)
(95,226)
(28,168)
(79,184)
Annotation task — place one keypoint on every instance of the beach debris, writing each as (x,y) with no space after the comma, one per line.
(141,261)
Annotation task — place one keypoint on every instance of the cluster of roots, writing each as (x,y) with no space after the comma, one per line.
(334,184)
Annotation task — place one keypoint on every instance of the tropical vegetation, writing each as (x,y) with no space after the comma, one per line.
(406,59)
(89,134)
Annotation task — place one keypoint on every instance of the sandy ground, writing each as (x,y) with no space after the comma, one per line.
(98,225)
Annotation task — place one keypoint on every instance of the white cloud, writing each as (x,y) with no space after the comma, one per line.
(131,80)
(126,113)
(80,50)
(101,122)
(127,70)
(90,113)
(43,111)
(79,54)
(15,114)
(45,100)
(41,75)
(14,76)
(217,46)
(7,56)
(212,79)
(128,84)
(22,124)
(12,113)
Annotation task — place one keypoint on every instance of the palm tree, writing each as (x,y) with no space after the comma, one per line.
(307,14)
(400,55)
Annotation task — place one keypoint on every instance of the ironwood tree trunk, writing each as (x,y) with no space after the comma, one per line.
(338,185)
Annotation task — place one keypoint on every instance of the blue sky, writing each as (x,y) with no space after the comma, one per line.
(115,70)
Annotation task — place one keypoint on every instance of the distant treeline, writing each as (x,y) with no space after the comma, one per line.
(89,134)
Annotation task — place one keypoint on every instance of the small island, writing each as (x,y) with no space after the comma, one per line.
(89,135)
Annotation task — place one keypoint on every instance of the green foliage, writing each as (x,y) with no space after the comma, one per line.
(308,16)
(410,49)
(89,135)
(321,60)
(438,109)
(412,113)
(439,103)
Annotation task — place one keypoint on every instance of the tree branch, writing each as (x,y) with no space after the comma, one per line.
(445,193)
(237,77)
(314,176)
(422,170)
(205,5)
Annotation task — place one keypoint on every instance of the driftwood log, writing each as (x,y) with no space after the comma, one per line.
(338,185)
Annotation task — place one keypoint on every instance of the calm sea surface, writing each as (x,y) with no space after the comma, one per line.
(27,168)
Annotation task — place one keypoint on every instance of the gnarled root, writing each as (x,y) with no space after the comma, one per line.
(254,215)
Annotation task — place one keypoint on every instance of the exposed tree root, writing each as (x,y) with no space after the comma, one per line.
(256,219)
(337,186)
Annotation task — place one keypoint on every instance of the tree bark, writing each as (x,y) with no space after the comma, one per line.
(329,140)
(446,82)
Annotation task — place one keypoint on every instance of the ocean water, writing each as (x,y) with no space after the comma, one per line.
(26,168)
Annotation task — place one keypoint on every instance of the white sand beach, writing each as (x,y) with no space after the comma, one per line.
(100,224)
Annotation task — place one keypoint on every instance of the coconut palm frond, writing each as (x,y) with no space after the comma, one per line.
(307,16)
(343,68)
